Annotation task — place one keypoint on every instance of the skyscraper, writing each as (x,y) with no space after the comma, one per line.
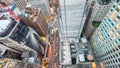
(21,4)
(106,39)
(97,11)
(43,4)
(35,18)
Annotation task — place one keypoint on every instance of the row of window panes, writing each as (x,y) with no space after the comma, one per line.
(113,51)
(109,61)
(113,56)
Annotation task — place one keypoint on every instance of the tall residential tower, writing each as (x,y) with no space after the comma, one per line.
(106,39)
(97,11)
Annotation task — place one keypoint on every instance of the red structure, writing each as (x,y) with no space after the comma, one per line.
(5,6)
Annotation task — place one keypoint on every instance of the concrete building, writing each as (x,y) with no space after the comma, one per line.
(43,4)
(21,4)
(8,1)
(88,5)
(35,18)
(97,11)
(18,63)
(16,35)
(106,39)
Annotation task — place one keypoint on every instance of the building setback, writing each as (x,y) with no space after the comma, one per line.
(106,39)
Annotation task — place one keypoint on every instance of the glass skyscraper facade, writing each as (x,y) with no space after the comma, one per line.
(106,39)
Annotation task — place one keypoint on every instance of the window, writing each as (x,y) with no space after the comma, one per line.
(116,60)
(115,66)
(113,60)
(109,20)
(112,24)
(118,65)
(111,51)
(108,52)
(119,53)
(117,48)
(116,55)
(114,51)
(118,17)
(110,39)
(119,40)
(115,28)
(119,59)
(106,31)
(114,6)
(111,57)
(111,10)
(116,41)
(118,9)
(108,35)
(105,25)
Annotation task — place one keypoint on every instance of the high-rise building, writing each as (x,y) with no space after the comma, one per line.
(96,13)
(34,17)
(42,4)
(18,36)
(8,1)
(21,4)
(106,39)
(13,63)
(73,14)
(7,37)
(88,5)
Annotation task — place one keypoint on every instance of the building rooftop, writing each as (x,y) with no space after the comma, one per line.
(4,25)
(65,54)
